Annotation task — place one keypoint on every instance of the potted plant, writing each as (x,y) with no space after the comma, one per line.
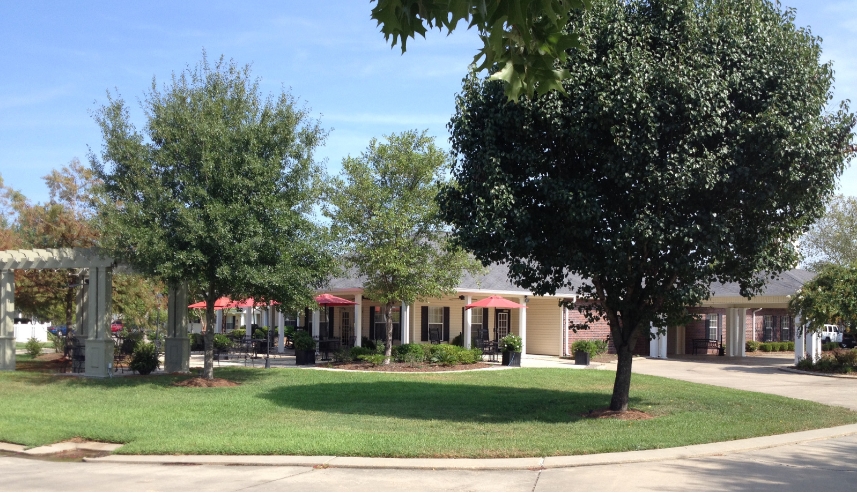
(144,360)
(511,346)
(304,348)
(582,353)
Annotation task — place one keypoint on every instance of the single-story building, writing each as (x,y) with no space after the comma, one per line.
(544,325)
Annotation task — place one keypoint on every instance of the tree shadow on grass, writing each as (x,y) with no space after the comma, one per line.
(442,401)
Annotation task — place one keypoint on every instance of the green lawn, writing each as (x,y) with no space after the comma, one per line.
(511,413)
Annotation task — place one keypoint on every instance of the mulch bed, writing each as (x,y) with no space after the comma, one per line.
(402,367)
(629,415)
(50,362)
(202,382)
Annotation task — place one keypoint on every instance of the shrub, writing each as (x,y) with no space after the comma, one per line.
(804,364)
(780,346)
(790,346)
(594,347)
(357,351)
(197,342)
(511,343)
(847,358)
(129,342)
(374,358)
(261,333)
(829,346)
(369,344)
(34,347)
(766,347)
(304,341)
(221,342)
(751,346)
(444,354)
(58,342)
(343,355)
(238,333)
(409,353)
(144,360)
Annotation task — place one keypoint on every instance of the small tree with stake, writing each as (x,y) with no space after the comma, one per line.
(219,194)
(384,213)
(692,147)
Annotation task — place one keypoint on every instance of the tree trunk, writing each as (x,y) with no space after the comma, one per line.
(208,339)
(622,385)
(388,342)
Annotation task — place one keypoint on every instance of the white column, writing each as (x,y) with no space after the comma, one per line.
(248,322)
(316,320)
(814,346)
(662,345)
(218,321)
(358,320)
(522,326)
(730,323)
(800,343)
(281,332)
(742,332)
(467,323)
(654,348)
(405,323)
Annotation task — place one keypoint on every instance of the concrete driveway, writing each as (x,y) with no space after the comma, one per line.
(754,373)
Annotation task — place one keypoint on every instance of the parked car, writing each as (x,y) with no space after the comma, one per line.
(831,333)
(116,326)
(59,329)
(849,340)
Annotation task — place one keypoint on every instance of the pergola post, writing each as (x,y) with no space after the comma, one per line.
(405,323)
(7,319)
(99,344)
(177,343)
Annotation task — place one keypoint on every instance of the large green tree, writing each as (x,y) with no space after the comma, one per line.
(217,191)
(522,39)
(829,298)
(385,216)
(833,238)
(692,147)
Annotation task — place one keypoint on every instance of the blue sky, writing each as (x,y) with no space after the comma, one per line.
(58,60)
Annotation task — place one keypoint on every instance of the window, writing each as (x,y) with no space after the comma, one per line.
(712,326)
(476,318)
(380,323)
(768,326)
(786,331)
(435,323)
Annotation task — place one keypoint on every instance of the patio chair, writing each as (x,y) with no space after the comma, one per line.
(434,335)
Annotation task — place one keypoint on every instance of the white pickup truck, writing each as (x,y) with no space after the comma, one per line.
(831,333)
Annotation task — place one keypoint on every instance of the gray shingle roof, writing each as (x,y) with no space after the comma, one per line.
(496,278)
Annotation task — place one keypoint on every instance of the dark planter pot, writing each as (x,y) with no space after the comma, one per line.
(721,351)
(304,357)
(511,358)
(144,372)
(581,358)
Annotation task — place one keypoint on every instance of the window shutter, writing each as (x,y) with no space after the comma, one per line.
(330,322)
(485,324)
(372,324)
(424,323)
(446,323)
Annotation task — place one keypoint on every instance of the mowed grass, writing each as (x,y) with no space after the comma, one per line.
(510,413)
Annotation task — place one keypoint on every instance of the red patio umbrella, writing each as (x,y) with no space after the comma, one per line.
(494,302)
(221,303)
(330,300)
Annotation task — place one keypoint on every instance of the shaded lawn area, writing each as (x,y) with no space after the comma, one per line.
(511,413)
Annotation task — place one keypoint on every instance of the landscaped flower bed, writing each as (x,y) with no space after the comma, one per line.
(836,361)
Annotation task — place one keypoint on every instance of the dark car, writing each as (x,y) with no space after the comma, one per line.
(848,340)
(59,329)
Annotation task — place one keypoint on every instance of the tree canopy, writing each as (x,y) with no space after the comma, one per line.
(522,39)
(384,213)
(829,298)
(216,191)
(692,146)
(833,238)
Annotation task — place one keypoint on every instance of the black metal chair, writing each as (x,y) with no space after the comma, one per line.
(78,357)
(434,335)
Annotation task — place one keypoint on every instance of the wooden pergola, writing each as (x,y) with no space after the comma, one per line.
(94,307)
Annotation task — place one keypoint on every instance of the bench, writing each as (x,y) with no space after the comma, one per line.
(705,344)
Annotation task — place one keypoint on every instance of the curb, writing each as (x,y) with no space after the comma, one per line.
(816,374)
(530,463)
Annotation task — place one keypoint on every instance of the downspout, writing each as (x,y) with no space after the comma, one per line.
(754,322)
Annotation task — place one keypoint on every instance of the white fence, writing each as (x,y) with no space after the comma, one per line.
(23,332)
